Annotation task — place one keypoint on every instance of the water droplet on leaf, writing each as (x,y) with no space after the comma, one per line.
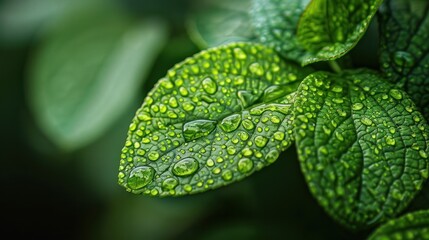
(245,165)
(209,85)
(198,128)
(185,167)
(230,123)
(140,177)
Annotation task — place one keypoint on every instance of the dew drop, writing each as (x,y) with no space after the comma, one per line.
(402,58)
(261,141)
(256,68)
(239,53)
(337,89)
(390,141)
(357,106)
(231,150)
(185,167)
(172,102)
(227,175)
(416,118)
(140,177)
(169,183)
(245,165)
(339,136)
(209,85)
(153,156)
(366,121)
(247,124)
(230,123)
(396,94)
(187,188)
(198,128)
(183,91)
(423,154)
(279,136)
(188,106)
(272,156)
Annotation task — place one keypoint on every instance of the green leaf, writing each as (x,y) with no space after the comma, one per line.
(217,22)
(88,71)
(404,58)
(214,119)
(414,225)
(275,23)
(330,28)
(362,145)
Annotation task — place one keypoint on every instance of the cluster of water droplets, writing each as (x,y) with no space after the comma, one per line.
(209,120)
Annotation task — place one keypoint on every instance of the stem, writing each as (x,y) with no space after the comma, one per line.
(335,67)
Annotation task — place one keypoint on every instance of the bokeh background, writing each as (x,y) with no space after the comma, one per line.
(59,176)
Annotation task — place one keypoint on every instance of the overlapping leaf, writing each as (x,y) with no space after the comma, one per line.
(217,22)
(404,27)
(275,23)
(414,225)
(214,119)
(330,28)
(362,144)
(88,71)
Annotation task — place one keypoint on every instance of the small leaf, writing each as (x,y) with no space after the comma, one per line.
(404,58)
(214,119)
(88,70)
(217,22)
(275,23)
(414,225)
(330,28)
(362,145)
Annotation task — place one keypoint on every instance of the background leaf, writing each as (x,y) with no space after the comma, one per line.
(217,22)
(331,28)
(414,225)
(404,27)
(275,23)
(362,145)
(214,119)
(88,70)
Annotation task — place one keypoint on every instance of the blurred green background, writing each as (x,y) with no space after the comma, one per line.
(73,72)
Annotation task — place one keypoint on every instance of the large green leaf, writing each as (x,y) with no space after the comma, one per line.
(214,119)
(275,23)
(414,225)
(362,144)
(217,22)
(88,70)
(404,27)
(330,28)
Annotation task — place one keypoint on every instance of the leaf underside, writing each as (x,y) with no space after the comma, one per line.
(330,28)
(362,146)
(214,119)
(275,22)
(404,57)
(88,71)
(414,225)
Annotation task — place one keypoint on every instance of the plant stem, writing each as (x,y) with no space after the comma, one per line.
(335,67)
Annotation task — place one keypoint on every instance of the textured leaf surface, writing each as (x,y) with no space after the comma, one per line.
(414,225)
(404,56)
(217,22)
(362,144)
(331,28)
(214,119)
(88,71)
(275,23)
